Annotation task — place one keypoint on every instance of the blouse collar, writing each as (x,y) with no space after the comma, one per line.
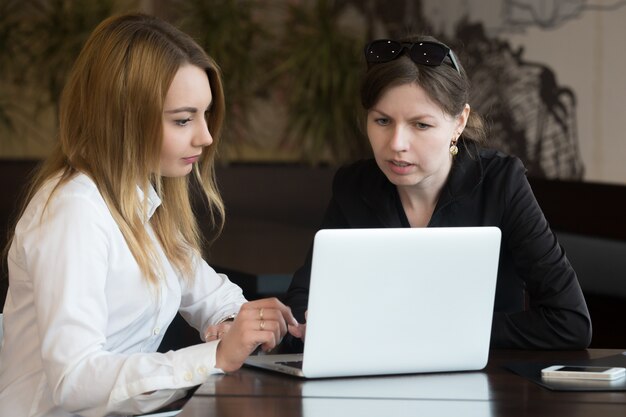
(151,201)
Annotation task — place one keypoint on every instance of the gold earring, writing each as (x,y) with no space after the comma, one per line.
(453,148)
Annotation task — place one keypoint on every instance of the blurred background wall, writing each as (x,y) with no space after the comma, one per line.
(547,74)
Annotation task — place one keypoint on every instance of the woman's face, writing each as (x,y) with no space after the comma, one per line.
(411,136)
(185,129)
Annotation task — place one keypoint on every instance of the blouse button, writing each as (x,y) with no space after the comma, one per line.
(202,370)
(156,331)
(188,376)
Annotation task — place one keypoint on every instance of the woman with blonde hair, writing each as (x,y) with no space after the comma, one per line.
(107,249)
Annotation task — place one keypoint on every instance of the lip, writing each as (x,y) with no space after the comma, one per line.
(191,159)
(400,167)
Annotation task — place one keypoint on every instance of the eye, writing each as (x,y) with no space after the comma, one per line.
(182,122)
(422,126)
(382,121)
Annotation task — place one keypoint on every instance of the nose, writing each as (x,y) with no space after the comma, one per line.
(203,137)
(399,141)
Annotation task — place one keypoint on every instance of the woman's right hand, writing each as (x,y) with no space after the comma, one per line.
(259,323)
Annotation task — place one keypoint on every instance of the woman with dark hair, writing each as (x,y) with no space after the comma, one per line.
(430,170)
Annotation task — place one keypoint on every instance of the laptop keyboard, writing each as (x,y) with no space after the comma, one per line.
(293,364)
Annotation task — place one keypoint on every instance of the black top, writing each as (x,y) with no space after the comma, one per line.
(538,302)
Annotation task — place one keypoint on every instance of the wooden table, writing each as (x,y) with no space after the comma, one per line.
(495,391)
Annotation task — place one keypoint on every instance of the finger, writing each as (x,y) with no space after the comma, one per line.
(252,339)
(274,316)
(267,340)
(255,316)
(210,333)
(209,337)
(271,327)
(297,331)
(274,303)
(216,331)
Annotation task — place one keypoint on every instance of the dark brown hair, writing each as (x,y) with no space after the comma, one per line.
(448,88)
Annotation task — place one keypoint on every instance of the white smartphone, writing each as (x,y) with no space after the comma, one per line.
(605,373)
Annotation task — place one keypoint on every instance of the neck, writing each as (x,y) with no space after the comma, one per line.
(418,204)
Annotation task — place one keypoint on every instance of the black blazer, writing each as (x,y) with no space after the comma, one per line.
(538,303)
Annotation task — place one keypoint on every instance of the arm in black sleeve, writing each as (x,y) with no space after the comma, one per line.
(557,315)
(297,297)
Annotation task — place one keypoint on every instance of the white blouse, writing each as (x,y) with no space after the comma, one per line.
(81,323)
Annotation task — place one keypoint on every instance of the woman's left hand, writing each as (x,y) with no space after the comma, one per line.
(216,331)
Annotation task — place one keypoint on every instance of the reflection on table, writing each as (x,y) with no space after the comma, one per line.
(495,391)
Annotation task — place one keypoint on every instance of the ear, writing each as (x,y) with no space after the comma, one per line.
(462,119)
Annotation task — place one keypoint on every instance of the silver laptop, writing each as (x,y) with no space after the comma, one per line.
(396,301)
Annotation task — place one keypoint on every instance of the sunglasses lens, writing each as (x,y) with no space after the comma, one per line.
(428,53)
(382,51)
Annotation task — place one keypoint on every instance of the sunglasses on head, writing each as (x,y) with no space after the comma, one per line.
(424,53)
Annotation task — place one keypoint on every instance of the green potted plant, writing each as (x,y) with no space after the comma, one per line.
(320,71)
(10,48)
(57,31)
(230,32)
(39,41)
(296,62)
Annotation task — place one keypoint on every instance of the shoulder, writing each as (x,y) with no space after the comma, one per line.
(78,185)
(488,170)
(495,160)
(61,216)
(77,198)
(78,190)
(500,167)
(504,179)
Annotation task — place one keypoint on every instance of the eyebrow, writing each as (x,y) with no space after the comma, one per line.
(183,110)
(416,117)
(187,109)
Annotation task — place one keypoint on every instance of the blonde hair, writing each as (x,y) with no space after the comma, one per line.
(111,129)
